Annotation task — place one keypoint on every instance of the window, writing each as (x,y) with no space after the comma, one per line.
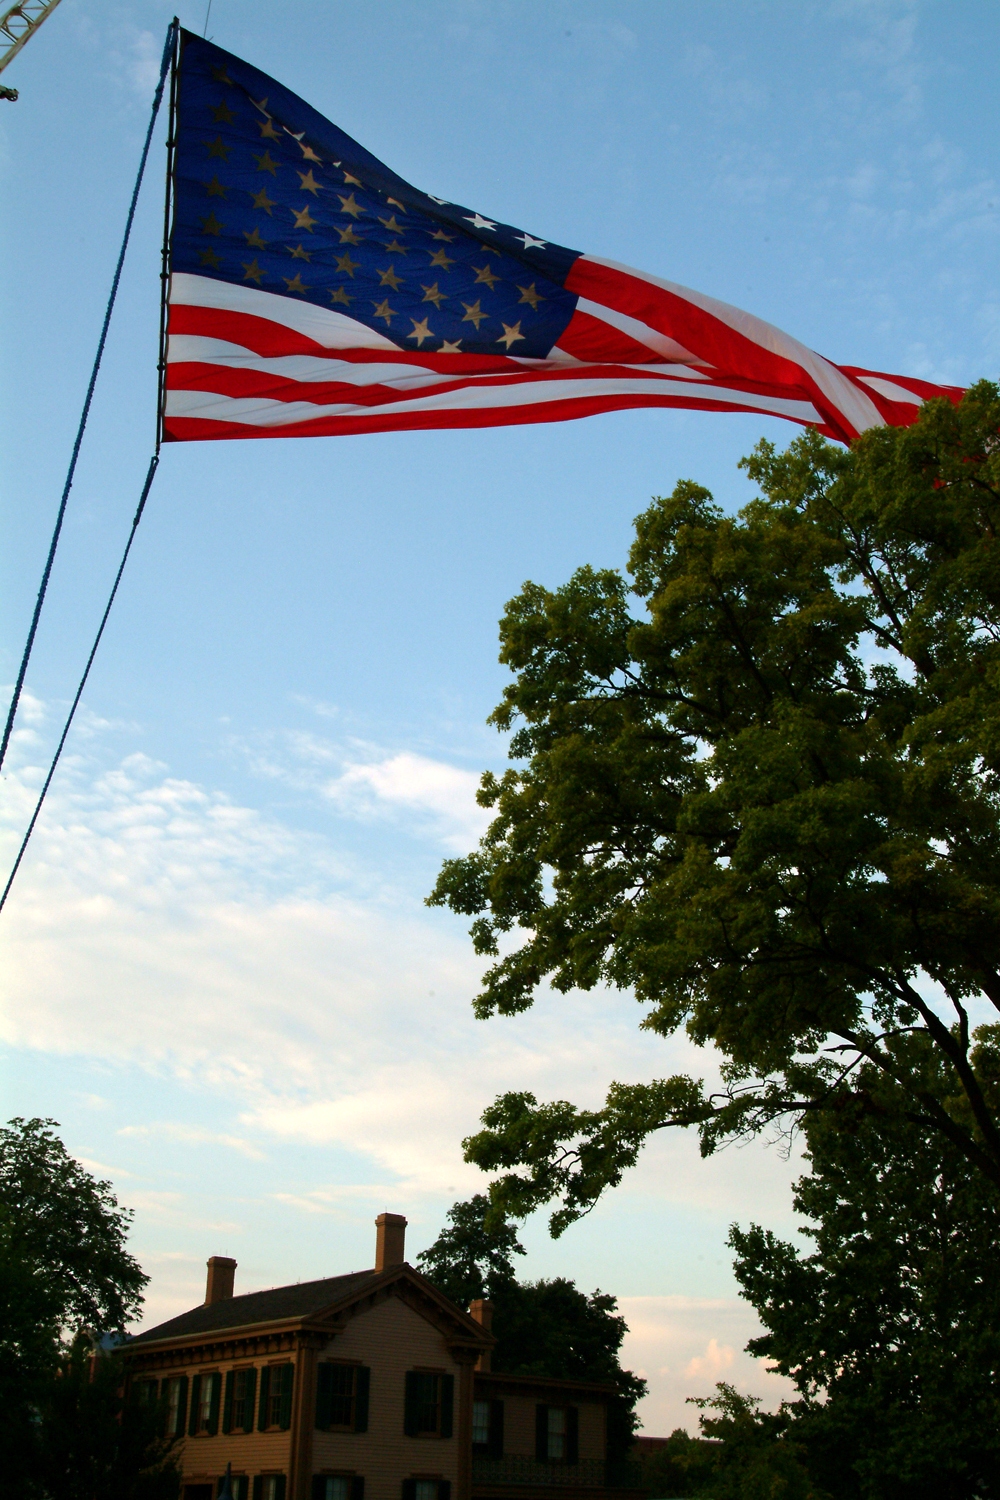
(342,1396)
(332,1487)
(238,1408)
(269,1487)
(205,1393)
(480,1424)
(275,1407)
(487,1429)
(175,1395)
(338,1487)
(240,1484)
(429,1401)
(145,1392)
(426,1489)
(204,1420)
(556,1434)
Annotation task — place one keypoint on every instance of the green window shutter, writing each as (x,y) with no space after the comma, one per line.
(362,1386)
(541,1433)
(258,1487)
(265,1392)
(444,1489)
(182,1407)
(279,1488)
(319,1484)
(358,1487)
(227,1402)
(572,1434)
(324,1396)
(409,1489)
(249,1403)
(496,1429)
(195,1399)
(287,1375)
(410,1417)
(213,1410)
(447,1404)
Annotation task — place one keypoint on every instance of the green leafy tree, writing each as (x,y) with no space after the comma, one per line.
(68,1228)
(547,1328)
(65,1273)
(890,1327)
(764,797)
(471,1257)
(754,1455)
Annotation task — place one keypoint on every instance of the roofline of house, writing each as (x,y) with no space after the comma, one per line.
(316,1320)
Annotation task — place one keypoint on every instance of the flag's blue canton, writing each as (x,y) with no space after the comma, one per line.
(269,194)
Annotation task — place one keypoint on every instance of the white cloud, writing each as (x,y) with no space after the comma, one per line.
(193,1135)
(414,784)
(711,1365)
(685,1345)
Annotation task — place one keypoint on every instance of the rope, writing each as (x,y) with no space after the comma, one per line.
(157,97)
(86,673)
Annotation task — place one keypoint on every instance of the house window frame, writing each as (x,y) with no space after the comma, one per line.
(569,1436)
(248,1373)
(209,1393)
(349,1476)
(417,1408)
(561,1435)
(351,1367)
(175,1412)
(481,1445)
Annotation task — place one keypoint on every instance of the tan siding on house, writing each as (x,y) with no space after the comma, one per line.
(390,1338)
(592,1437)
(519,1426)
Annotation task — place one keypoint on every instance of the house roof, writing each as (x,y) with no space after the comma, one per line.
(302,1300)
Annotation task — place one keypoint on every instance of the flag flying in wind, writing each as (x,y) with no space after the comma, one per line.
(313,292)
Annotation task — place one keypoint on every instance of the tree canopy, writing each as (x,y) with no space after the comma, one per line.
(66,1280)
(65,1227)
(758,786)
(890,1326)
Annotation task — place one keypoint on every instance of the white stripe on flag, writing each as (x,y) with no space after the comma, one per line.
(263,412)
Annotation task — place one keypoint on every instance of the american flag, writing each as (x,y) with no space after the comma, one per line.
(312,292)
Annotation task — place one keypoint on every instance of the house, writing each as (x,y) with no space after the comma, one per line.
(367,1386)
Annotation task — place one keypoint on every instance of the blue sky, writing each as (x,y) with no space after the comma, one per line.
(218,971)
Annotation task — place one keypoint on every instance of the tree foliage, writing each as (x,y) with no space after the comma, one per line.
(66,1278)
(471,1257)
(763,796)
(66,1227)
(890,1327)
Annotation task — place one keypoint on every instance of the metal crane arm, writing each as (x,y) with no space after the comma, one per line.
(17,24)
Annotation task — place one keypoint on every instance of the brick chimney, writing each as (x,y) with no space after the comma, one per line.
(221,1276)
(389,1241)
(482,1312)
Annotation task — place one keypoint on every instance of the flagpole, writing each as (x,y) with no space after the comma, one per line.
(168,49)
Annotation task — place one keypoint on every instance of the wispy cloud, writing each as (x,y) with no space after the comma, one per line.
(192,1135)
